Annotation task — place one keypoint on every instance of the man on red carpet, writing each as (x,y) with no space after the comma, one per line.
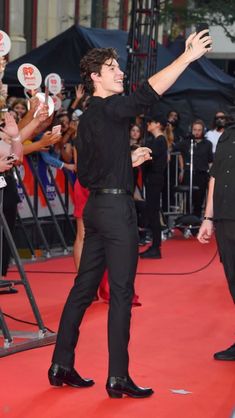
(111,233)
(220,209)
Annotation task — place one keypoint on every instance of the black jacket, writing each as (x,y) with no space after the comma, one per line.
(223,170)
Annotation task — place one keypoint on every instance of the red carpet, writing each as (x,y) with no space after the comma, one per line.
(184,319)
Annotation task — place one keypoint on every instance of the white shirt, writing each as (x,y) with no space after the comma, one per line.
(213,136)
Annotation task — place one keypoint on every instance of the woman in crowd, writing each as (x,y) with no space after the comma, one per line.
(20,107)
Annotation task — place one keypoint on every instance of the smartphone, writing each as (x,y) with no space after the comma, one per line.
(203,26)
(56,129)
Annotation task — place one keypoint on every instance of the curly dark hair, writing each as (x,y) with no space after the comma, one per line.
(92,63)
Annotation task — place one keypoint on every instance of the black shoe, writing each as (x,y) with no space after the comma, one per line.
(151,253)
(228,354)
(9,285)
(119,386)
(9,291)
(58,376)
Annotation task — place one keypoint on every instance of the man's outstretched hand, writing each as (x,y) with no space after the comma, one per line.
(198,44)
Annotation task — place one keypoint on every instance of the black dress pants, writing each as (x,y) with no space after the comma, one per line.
(153,198)
(225,237)
(111,240)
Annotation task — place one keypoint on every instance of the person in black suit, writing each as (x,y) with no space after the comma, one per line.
(220,213)
(111,234)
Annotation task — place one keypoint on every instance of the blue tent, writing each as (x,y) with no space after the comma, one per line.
(63,53)
(203,66)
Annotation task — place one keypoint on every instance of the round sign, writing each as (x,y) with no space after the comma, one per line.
(5,43)
(57,102)
(53,81)
(41,97)
(29,76)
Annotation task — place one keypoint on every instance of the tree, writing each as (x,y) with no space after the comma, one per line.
(214,12)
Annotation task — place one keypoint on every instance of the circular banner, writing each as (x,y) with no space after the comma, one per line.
(29,76)
(53,81)
(41,97)
(5,43)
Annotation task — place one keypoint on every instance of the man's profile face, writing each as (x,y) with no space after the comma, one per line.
(151,125)
(111,78)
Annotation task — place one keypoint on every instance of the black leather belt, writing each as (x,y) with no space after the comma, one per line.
(111,191)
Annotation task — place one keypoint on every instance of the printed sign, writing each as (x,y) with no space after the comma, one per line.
(54,83)
(5,43)
(29,76)
(50,103)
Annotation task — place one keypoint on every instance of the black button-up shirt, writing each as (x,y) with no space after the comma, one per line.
(202,154)
(223,170)
(103,144)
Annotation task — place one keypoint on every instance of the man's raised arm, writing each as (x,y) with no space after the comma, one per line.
(196,46)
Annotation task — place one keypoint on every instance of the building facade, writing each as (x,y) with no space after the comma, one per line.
(30,23)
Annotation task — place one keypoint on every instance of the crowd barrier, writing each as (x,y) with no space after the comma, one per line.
(46,195)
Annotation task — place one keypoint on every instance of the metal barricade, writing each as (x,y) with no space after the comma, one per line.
(32,339)
(172,180)
(33,203)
